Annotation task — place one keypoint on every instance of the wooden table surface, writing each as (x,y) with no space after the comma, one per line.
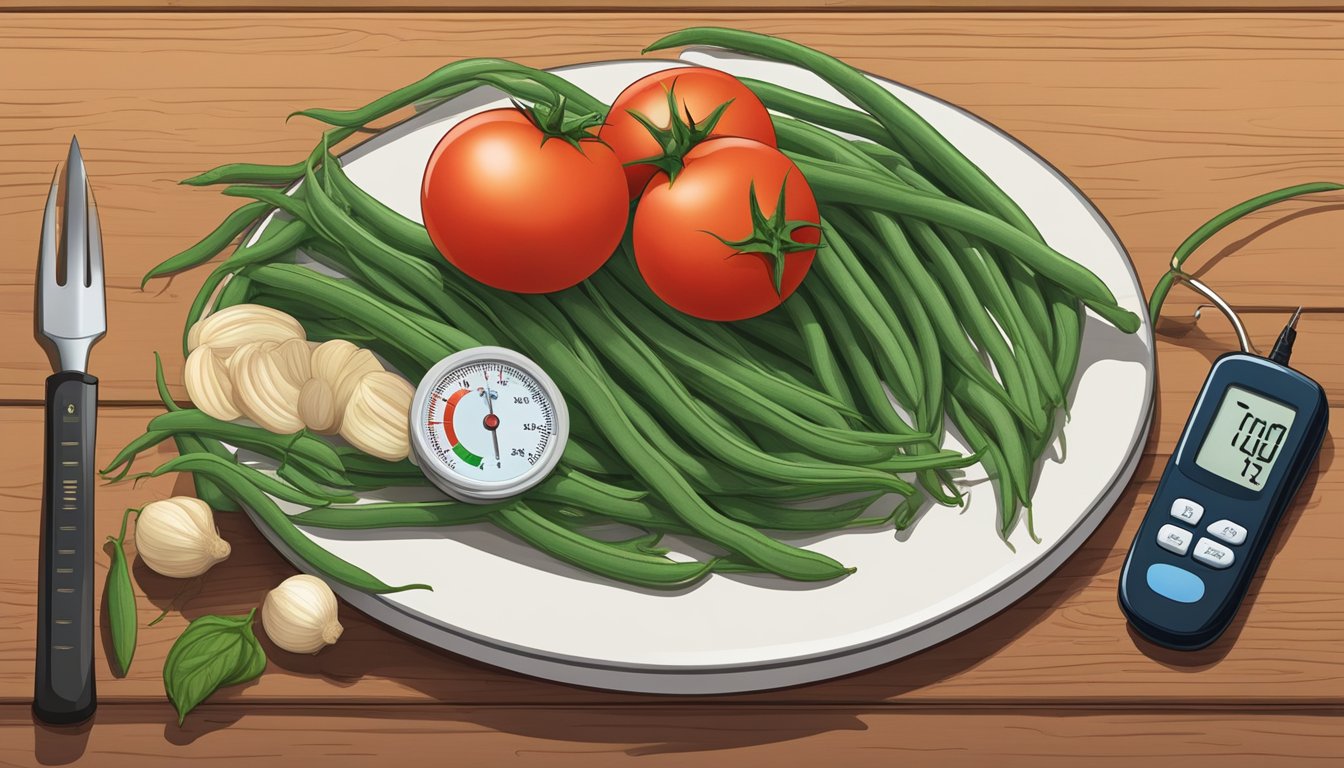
(1162,117)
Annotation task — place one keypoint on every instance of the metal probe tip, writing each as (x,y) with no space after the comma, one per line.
(1293,322)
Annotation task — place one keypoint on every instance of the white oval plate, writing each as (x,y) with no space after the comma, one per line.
(498,601)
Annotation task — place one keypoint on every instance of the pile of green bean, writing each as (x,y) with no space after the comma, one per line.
(725,432)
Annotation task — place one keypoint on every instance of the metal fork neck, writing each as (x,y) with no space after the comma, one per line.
(73,354)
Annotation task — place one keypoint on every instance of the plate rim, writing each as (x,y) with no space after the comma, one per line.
(730,677)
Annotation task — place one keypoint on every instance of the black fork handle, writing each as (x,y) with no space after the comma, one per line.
(64,688)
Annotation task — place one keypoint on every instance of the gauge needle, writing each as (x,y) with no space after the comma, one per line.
(491,420)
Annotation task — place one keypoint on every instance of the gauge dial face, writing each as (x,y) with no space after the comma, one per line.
(489,421)
(487,424)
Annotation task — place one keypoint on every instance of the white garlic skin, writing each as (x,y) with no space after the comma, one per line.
(300,615)
(177,537)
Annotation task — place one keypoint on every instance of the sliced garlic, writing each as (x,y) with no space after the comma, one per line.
(377,416)
(317,406)
(177,537)
(299,615)
(341,365)
(232,327)
(208,384)
(262,389)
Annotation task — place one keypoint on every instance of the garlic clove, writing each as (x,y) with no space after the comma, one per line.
(360,364)
(317,407)
(299,615)
(177,537)
(377,416)
(262,390)
(330,357)
(208,384)
(232,327)
(340,364)
(295,360)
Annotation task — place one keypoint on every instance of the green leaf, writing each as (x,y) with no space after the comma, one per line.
(212,653)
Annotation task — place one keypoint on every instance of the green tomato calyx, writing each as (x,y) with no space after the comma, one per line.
(771,236)
(555,122)
(680,135)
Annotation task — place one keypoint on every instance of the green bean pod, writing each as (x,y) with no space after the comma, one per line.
(834,183)
(908,131)
(251,494)
(122,619)
(209,246)
(597,556)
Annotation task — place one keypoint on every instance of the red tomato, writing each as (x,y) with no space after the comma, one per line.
(698,91)
(520,214)
(680,229)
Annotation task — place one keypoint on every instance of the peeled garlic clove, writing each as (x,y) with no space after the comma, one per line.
(177,537)
(208,385)
(317,406)
(360,364)
(262,390)
(232,327)
(295,358)
(341,364)
(300,615)
(377,417)
(330,357)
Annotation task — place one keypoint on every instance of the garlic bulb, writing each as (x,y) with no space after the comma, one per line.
(263,389)
(232,327)
(317,406)
(377,417)
(208,385)
(177,537)
(300,615)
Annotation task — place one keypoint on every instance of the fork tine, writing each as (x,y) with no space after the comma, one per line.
(75,233)
(46,253)
(95,245)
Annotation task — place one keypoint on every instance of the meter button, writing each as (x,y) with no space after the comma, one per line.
(1213,554)
(1174,539)
(1175,583)
(1187,511)
(1228,531)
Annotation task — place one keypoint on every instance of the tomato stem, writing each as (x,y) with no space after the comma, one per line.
(771,236)
(554,121)
(680,135)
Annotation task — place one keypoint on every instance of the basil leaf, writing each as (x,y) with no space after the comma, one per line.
(213,652)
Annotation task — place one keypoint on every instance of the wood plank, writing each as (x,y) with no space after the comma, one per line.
(147,735)
(1286,647)
(622,6)
(1163,119)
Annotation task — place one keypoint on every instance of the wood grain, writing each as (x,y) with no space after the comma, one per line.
(731,6)
(147,735)
(1287,645)
(1162,117)
(157,98)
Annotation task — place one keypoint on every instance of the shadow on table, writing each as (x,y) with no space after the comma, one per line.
(513,703)
(1194,661)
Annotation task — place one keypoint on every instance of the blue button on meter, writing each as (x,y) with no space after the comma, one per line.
(1175,583)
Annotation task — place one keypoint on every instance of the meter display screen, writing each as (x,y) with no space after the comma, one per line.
(1245,438)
